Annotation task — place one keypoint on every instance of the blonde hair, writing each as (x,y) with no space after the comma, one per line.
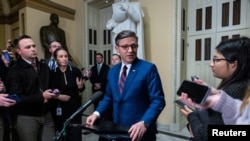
(246,99)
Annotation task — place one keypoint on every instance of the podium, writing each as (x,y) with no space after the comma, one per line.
(106,129)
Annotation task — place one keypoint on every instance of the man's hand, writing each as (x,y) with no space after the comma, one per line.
(186,111)
(91,119)
(6,102)
(48,94)
(79,82)
(97,86)
(137,131)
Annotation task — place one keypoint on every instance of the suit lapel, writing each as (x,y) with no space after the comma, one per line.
(131,75)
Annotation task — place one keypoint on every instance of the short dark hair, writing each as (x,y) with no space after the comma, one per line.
(17,40)
(125,34)
(99,54)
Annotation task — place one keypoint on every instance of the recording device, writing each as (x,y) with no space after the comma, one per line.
(181,105)
(14,97)
(198,93)
(85,78)
(194,77)
(86,75)
(95,96)
(7,56)
(56,91)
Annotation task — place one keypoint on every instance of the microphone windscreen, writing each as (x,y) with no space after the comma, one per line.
(95,96)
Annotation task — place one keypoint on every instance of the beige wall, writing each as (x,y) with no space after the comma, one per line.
(158,30)
(2,37)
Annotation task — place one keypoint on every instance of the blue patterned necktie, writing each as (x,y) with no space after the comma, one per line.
(123,79)
(53,64)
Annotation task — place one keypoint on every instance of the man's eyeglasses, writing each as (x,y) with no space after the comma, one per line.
(218,59)
(125,47)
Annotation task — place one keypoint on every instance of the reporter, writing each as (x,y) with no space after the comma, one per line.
(230,64)
(29,79)
(68,80)
(220,101)
(8,131)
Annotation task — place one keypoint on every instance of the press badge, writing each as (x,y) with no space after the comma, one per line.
(58,111)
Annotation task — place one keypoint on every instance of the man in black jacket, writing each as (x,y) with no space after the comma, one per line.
(29,80)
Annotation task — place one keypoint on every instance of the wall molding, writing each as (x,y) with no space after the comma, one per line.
(51,7)
(42,5)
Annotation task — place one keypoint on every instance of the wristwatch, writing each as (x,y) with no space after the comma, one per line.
(145,124)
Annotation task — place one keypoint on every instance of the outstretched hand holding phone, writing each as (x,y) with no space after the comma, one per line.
(197,92)
(209,99)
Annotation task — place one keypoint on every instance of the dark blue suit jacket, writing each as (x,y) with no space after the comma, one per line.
(142,98)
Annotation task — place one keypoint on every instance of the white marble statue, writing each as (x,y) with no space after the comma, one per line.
(127,16)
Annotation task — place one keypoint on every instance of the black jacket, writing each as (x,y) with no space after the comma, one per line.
(99,78)
(29,85)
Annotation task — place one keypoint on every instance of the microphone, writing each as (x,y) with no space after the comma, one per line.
(94,97)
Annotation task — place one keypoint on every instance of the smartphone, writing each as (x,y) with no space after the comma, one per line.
(14,97)
(7,56)
(181,104)
(85,78)
(56,91)
(194,77)
(198,93)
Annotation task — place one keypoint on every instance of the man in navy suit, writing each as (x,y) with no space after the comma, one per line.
(99,73)
(142,99)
